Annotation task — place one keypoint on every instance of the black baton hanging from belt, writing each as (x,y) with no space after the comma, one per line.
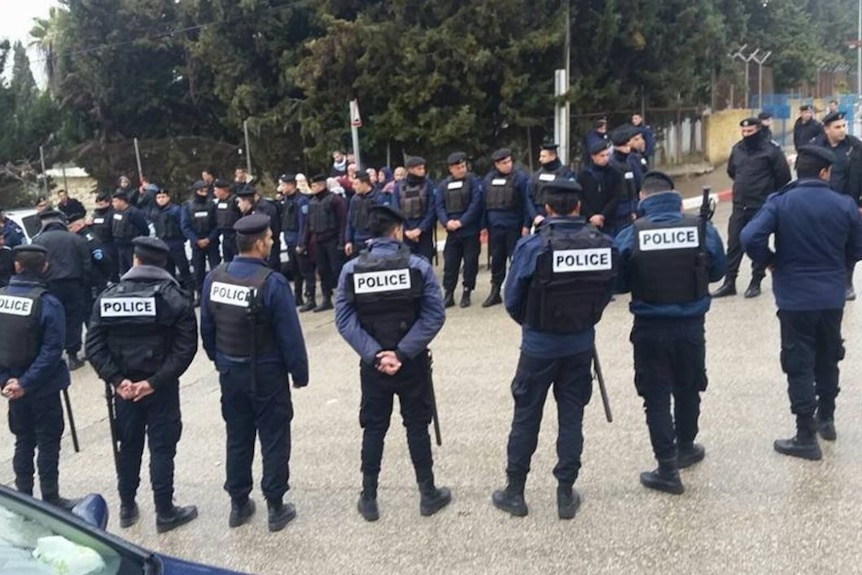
(71,418)
(435,419)
(600,378)
(112,422)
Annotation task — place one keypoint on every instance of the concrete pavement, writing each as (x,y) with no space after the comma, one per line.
(746,508)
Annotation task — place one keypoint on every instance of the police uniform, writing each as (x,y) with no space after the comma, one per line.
(32,331)
(558,286)
(324,239)
(101,267)
(804,132)
(198,224)
(144,330)
(667,262)
(101,223)
(167,221)
(227,214)
(506,199)
(13,235)
(126,225)
(602,189)
(460,200)
(628,164)
(270,210)
(821,231)
(7,267)
(251,331)
(414,196)
(298,268)
(546,174)
(358,214)
(388,300)
(69,271)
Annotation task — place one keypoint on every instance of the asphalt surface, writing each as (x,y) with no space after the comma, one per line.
(746,509)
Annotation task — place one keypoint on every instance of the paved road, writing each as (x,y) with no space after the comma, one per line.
(746,508)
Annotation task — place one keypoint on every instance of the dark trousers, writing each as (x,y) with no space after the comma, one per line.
(329,260)
(275,254)
(200,258)
(299,270)
(460,247)
(228,245)
(124,259)
(739,217)
(572,383)
(178,266)
(501,244)
(670,362)
(37,421)
(424,247)
(413,389)
(71,295)
(811,347)
(113,257)
(157,419)
(265,411)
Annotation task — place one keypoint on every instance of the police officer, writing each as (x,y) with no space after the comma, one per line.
(199,226)
(414,195)
(100,224)
(550,170)
(167,219)
(821,231)
(598,134)
(358,209)
(227,214)
(68,276)
(127,223)
(250,202)
(626,161)
(459,203)
(32,372)
(766,126)
(142,338)
(507,193)
(324,237)
(602,188)
(294,213)
(388,308)
(806,127)
(668,260)
(250,329)
(69,206)
(757,168)
(12,232)
(560,282)
(101,266)
(648,135)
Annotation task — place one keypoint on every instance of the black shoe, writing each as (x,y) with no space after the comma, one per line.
(449,299)
(176,517)
(568,501)
(433,499)
(465,299)
(802,448)
(326,304)
(240,513)
(664,478)
(826,429)
(309,305)
(280,514)
(493,297)
(850,293)
(75,362)
(61,502)
(511,501)
(727,289)
(129,515)
(753,290)
(299,301)
(688,455)
(368,507)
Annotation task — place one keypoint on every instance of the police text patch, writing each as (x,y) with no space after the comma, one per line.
(389,280)
(11,305)
(547,177)
(591,260)
(201,214)
(498,182)
(455,185)
(668,239)
(239,296)
(127,307)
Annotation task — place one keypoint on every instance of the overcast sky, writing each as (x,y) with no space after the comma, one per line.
(17,21)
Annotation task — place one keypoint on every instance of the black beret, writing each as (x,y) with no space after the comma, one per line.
(826,157)
(501,154)
(244,190)
(414,162)
(287,178)
(221,184)
(750,121)
(121,193)
(363,177)
(764,116)
(74,217)
(104,196)
(622,134)
(318,179)
(456,158)
(199,185)
(806,108)
(51,213)
(550,146)
(252,225)
(150,246)
(832,117)
(561,187)
(599,146)
(30,248)
(656,175)
(386,212)
(600,122)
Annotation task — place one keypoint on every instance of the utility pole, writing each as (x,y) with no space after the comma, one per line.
(760,62)
(566,144)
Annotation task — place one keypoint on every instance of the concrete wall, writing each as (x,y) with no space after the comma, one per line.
(722,132)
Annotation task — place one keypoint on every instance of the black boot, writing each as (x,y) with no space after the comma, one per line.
(280,514)
(804,445)
(129,514)
(664,478)
(449,299)
(727,289)
(850,292)
(568,501)
(24,486)
(826,420)
(688,454)
(74,361)
(299,301)
(493,297)
(61,502)
(326,304)
(174,517)
(309,305)
(431,498)
(753,289)
(240,511)
(368,499)
(465,299)
(511,499)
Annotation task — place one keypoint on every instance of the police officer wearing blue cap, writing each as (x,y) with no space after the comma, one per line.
(251,202)
(200,227)
(167,220)
(250,329)
(550,170)
(627,161)
(294,212)
(602,186)
(668,260)
(820,233)
(560,281)
(142,338)
(414,195)
(388,308)
(323,239)
(127,223)
(32,372)
(102,267)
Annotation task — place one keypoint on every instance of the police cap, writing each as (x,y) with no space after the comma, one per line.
(199,185)
(456,158)
(385,212)
(104,196)
(750,121)
(599,146)
(550,146)
(657,177)
(245,191)
(121,194)
(818,153)
(562,188)
(74,217)
(287,178)
(622,134)
(414,162)
(252,225)
(806,108)
(501,154)
(221,184)
(51,214)
(147,246)
(832,117)
(764,115)
(600,122)
(319,179)
(30,248)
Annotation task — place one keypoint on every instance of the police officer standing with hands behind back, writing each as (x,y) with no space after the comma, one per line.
(388,308)
(251,331)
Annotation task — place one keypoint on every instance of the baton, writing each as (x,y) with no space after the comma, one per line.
(435,419)
(112,422)
(138,159)
(72,429)
(600,378)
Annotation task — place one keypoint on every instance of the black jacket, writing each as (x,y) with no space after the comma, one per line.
(68,254)
(602,191)
(804,132)
(853,181)
(758,168)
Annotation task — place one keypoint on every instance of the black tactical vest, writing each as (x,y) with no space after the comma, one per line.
(290,213)
(457,195)
(541,180)
(569,289)
(20,330)
(360,214)
(321,213)
(167,226)
(121,228)
(102,225)
(386,292)
(668,263)
(413,200)
(243,328)
(227,213)
(199,215)
(501,193)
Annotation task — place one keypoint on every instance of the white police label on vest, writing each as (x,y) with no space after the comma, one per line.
(668,239)
(591,260)
(98,220)
(455,185)
(128,307)
(11,305)
(118,217)
(375,282)
(239,296)
(222,205)
(547,177)
(498,182)
(201,214)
